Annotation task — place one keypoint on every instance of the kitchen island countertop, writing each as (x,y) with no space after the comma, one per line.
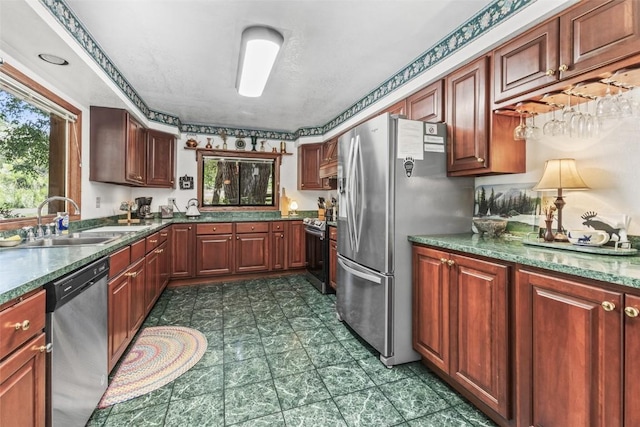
(621,270)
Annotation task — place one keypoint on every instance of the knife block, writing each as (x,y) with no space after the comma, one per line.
(321,214)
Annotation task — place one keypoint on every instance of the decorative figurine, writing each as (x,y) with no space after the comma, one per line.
(223,135)
(254,142)
(208,146)
(262,145)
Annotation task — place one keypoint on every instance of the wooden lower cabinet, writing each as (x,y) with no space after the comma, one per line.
(460,323)
(137,289)
(119,317)
(252,252)
(183,246)
(214,254)
(569,356)
(296,245)
(631,365)
(278,250)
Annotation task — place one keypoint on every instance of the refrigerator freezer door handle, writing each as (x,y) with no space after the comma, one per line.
(350,195)
(360,274)
(359,193)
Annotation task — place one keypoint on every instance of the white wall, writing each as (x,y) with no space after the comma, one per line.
(609,164)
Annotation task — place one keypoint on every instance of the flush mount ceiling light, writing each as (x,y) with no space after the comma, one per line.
(258,51)
(53,59)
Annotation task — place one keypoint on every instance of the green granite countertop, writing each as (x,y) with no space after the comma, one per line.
(622,270)
(23,270)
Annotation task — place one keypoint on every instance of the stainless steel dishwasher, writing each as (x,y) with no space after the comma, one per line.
(77,331)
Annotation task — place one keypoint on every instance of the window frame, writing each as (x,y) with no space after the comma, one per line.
(276,157)
(73,185)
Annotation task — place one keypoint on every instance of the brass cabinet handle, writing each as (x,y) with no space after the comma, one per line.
(159,251)
(450,262)
(563,68)
(479,159)
(608,306)
(164,234)
(631,311)
(44,348)
(153,241)
(131,274)
(24,325)
(443,260)
(550,72)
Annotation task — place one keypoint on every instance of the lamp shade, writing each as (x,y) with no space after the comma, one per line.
(560,174)
(258,51)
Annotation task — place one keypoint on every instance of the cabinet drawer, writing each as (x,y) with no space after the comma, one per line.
(137,250)
(21,322)
(118,261)
(216,228)
(277,226)
(252,227)
(333,233)
(152,242)
(164,234)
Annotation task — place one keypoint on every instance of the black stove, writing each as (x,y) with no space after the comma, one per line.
(317,253)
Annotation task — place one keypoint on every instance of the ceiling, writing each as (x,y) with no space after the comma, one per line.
(181,56)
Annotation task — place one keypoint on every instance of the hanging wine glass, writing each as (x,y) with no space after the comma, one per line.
(567,112)
(553,127)
(520,130)
(533,132)
(607,107)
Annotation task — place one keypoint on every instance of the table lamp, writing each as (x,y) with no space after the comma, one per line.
(560,174)
(293,208)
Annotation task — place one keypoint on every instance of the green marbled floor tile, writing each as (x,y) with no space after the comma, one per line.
(269,328)
(206,313)
(474,416)
(413,398)
(156,397)
(288,299)
(367,407)
(229,311)
(202,411)
(305,322)
(210,324)
(283,295)
(426,375)
(212,302)
(325,414)
(358,350)
(215,338)
(327,316)
(195,382)
(246,372)
(345,378)
(99,417)
(288,363)
(149,416)
(446,418)
(246,332)
(281,343)
(300,389)
(213,288)
(340,331)
(297,311)
(211,357)
(250,401)
(380,374)
(320,335)
(175,318)
(262,301)
(242,350)
(332,353)
(273,420)
(240,319)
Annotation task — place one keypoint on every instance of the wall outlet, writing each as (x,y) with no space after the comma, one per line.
(171,201)
(98,202)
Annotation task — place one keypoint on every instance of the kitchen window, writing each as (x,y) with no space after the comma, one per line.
(238,180)
(40,146)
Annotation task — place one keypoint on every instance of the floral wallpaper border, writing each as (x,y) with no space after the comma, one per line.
(493,14)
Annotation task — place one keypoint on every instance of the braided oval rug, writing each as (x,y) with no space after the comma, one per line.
(159,355)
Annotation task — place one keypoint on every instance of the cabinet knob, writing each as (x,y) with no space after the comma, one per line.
(563,68)
(443,260)
(479,159)
(44,348)
(608,306)
(450,263)
(131,274)
(189,228)
(282,236)
(301,185)
(229,237)
(631,311)
(24,325)
(252,227)
(550,72)
(237,237)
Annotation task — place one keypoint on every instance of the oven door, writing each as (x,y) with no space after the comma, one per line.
(316,257)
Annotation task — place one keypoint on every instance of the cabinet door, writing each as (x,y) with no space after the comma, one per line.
(152,272)
(431,306)
(333,264)
(278,250)
(119,330)
(479,334)
(598,32)
(252,252)
(568,353)
(527,62)
(309,158)
(137,282)
(296,241)
(427,104)
(22,386)
(467,117)
(631,365)
(135,153)
(399,107)
(164,266)
(183,241)
(160,159)
(214,254)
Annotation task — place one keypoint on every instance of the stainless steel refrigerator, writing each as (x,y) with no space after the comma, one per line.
(391,183)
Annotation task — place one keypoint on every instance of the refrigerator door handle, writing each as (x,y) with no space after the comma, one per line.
(359,273)
(350,195)
(359,203)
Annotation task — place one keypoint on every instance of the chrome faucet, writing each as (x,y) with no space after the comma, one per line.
(39,232)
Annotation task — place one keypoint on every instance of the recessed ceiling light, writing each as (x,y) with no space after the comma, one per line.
(53,59)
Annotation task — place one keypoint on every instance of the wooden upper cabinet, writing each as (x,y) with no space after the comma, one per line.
(526,63)
(427,104)
(598,32)
(329,161)
(309,159)
(399,107)
(160,159)
(135,154)
(568,354)
(468,117)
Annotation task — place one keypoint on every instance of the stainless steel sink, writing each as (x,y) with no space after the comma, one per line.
(71,240)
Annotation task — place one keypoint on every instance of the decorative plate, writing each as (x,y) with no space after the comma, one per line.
(240,144)
(588,237)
